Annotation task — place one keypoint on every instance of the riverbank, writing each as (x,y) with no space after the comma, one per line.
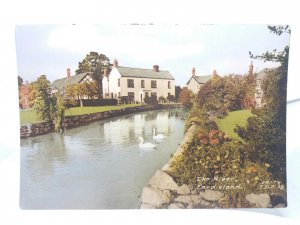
(41,128)
(162,192)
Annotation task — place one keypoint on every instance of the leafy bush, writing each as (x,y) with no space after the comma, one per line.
(171,98)
(216,161)
(162,99)
(152,100)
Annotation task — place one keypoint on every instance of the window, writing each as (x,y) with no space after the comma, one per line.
(153,84)
(153,94)
(146,94)
(169,84)
(130,83)
(119,82)
(142,83)
(131,95)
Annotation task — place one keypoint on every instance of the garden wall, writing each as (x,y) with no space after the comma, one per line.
(31,130)
(162,192)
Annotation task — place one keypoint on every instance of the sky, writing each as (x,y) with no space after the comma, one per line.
(51,49)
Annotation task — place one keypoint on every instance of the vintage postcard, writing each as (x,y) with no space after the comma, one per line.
(145,116)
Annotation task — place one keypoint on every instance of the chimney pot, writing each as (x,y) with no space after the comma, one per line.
(115,64)
(68,72)
(193,72)
(104,72)
(251,69)
(156,68)
(214,73)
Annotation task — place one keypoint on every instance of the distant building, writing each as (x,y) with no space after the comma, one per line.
(60,85)
(258,89)
(138,83)
(195,82)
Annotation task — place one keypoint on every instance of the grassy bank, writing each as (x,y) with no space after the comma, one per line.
(228,123)
(30,116)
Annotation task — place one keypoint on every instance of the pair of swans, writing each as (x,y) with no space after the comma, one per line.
(156,137)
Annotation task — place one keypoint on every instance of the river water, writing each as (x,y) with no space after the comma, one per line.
(98,166)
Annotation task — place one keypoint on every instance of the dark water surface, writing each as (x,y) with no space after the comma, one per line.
(98,166)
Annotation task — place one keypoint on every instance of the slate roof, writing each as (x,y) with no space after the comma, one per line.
(261,74)
(200,79)
(144,73)
(64,82)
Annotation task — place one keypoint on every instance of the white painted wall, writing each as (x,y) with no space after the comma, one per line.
(161,90)
(114,89)
(105,87)
(194,86)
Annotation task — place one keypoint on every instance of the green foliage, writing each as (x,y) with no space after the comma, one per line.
(171,98)
(196,116)
(46,106)
(221,160)
(57,112)
(228,93)
(152,100)
(96,64)
(42,99)
(162,99)
(229,123)
(266,131)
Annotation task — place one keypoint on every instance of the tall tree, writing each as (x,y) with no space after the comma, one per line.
(96,64)
(265,133)
(185,97)
(42,99)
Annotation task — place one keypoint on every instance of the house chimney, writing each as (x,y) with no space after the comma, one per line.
(251,69)
(193,72)
(115,64)
(156,68)
(68,72)
(214,74)
(104,72)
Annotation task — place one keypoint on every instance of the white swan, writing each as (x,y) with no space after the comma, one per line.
(146,145)
(157,136)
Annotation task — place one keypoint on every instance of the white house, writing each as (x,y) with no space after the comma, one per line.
(138,83)
(195,82)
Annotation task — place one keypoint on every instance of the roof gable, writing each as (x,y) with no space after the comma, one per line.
(144,73)
(64,82)
(200,79)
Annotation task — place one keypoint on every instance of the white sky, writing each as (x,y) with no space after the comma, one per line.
(46,49)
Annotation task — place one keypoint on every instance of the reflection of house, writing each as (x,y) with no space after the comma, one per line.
(60,85)
(258,89)
(195,82)
(138,83)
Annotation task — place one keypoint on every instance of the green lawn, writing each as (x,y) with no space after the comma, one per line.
(31,117)
(228,124)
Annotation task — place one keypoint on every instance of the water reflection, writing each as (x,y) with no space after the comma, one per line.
(99,165)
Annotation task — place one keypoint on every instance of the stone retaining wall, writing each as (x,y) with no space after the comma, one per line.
(162,192)
(31,130)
